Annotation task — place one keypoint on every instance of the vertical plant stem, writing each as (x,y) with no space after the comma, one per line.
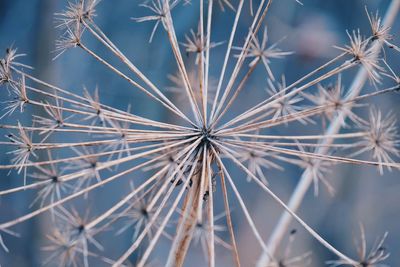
(186,224)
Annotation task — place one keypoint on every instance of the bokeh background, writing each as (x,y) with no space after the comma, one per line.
(310,30)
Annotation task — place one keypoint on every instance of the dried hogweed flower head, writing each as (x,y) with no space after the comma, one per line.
(189,169)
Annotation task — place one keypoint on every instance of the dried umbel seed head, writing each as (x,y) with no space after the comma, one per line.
(7,63)
(189,165)
(381,138)
(364,54)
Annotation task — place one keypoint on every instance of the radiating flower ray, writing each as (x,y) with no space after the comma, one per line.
(318,169)
(135,84)
(86,110)
(169,27)
(185,152)
(367,58)
(266,104)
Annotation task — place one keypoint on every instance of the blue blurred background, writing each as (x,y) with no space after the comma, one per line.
(311,30)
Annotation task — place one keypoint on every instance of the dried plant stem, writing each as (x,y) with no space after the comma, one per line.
(210,211)
(306,179)
(186,225)
(191,215)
